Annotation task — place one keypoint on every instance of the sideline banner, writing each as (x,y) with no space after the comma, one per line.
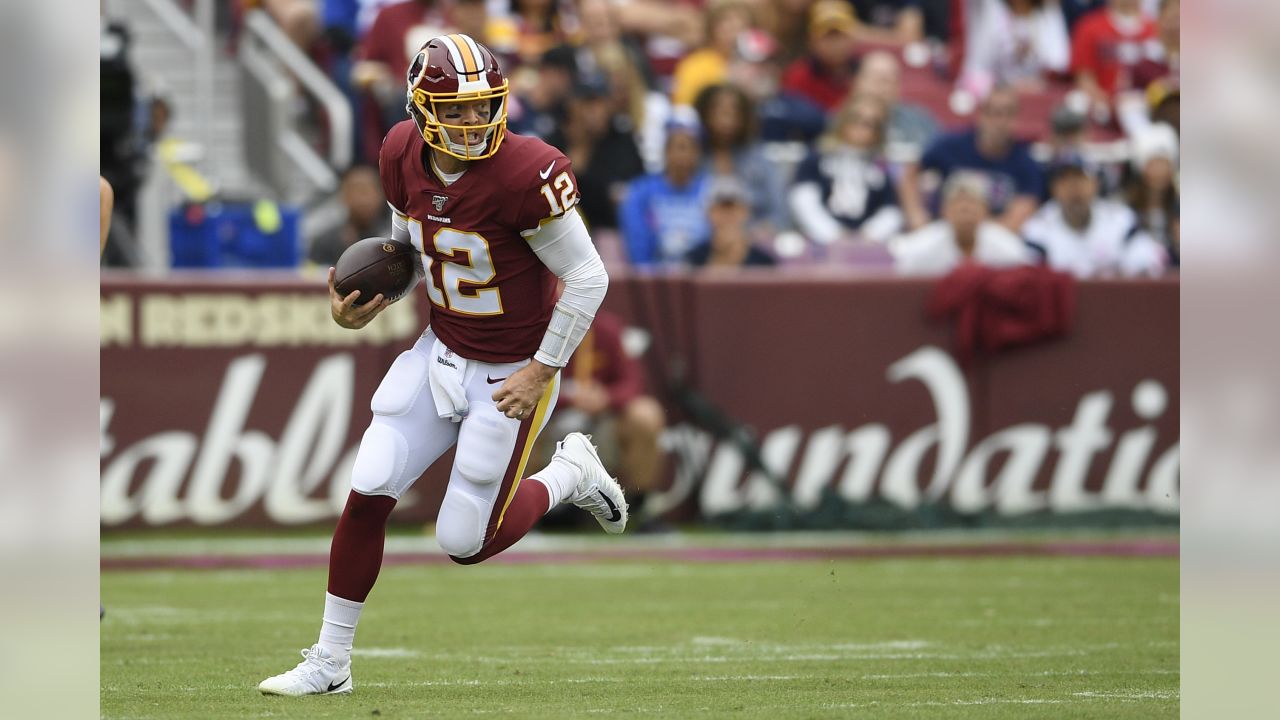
(238,401)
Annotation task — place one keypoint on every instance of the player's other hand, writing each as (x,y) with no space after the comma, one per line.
(520,394)
(349,315)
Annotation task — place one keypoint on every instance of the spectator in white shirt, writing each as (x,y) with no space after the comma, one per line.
(1079,233)
(1015,43)
(845,186)
(966,233)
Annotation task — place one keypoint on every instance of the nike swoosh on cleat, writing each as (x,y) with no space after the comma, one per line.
(335,686)
(544,174)
(616,516)
(489,379)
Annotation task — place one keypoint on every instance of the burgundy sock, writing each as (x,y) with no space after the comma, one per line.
(526,509)
(356,553)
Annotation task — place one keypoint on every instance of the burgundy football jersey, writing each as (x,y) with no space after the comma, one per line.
(491,298)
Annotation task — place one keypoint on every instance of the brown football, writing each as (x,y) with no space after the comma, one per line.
(377,265)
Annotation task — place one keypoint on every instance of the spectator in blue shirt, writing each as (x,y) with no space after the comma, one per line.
(664,214)
(1017,182)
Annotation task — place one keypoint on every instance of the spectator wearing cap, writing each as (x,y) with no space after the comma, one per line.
(825,75)
(989,148)
(1150,188)
(602,149)
(1067,143)
(1106,46)
(1066,135)
(964,234)
(726,22)
(1015,43)
(663,214)
(730,244)
(1156,77)
(845,186)
(1079,233)
(732,145)
(911,128)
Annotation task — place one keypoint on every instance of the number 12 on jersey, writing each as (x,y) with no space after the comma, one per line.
(470,266)
(563,183)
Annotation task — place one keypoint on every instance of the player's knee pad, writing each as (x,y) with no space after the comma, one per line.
(380,462)
(461,524)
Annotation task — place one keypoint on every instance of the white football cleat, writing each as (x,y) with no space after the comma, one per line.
(597,492)
(319,673)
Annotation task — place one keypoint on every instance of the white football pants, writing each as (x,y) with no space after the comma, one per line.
(407,436)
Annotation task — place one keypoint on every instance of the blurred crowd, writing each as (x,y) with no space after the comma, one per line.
(902,133)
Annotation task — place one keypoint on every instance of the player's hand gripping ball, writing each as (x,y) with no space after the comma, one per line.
(370,275)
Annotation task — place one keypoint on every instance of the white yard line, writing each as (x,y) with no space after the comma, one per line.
(1131,695)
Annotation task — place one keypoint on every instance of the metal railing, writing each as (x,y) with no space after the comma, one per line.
(275,69)
(197,34)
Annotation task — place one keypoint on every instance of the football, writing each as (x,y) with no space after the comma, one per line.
(377,265)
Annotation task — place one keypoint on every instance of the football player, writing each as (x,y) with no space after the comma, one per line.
(493,215)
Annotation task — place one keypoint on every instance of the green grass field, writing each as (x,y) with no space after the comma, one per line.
(1033,637)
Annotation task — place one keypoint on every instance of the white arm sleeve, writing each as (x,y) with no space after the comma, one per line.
(399,225)
(811,215)
(564,246)
(400,233)
(887,222)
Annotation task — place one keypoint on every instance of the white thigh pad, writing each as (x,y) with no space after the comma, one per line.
(462,522)
(486,443)
(402,386)
(380,463)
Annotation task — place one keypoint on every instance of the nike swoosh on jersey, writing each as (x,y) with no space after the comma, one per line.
(544,174)
(493,381)
(616,516)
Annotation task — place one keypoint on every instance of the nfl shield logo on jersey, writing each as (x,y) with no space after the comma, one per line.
(437,201)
